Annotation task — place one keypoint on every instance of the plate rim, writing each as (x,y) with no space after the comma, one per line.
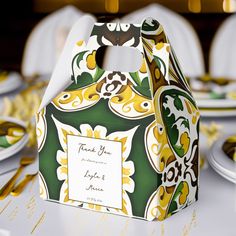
(213,160)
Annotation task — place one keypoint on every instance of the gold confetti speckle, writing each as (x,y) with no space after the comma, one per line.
(162,230)
(32,185)
(211,132)
(30,206)
(39,222)
(187,228)
(13,214)
(5,207)
(124,230)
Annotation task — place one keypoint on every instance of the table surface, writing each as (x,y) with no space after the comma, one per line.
(214,214)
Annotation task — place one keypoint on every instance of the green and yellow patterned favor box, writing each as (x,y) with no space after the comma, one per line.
(119,142)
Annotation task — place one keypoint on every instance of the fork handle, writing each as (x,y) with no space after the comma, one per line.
(6,189)
(21,186)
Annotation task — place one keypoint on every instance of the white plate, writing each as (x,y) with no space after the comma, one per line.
(220,162)
(213,107)
(216,103)
(12,82)
(7,152)
(222,173)
(218,113)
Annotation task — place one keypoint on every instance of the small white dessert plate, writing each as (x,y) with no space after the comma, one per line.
(219,161)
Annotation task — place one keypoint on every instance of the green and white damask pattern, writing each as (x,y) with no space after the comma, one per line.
(151,112)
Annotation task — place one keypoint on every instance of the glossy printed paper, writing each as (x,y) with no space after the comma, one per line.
(151,112)
(95,170)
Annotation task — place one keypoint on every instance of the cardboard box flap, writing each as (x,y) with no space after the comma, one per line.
(61,76)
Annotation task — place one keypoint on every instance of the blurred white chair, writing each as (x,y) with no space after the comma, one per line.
(223,50)
(46,41)
(181,34)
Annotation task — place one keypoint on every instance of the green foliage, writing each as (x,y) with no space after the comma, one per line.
(135,77)
(79,58)
(173,204)
(82,80)
(178,103)
(143,86)
(158,61)
(98,74)
(185,122)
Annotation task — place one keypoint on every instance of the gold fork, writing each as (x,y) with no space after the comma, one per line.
(6,189)
(21,186)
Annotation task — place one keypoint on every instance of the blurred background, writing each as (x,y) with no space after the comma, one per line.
(18,18)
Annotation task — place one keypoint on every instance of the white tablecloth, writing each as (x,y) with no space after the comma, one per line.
(213,215)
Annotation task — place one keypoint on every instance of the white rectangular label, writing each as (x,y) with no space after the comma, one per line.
(95,171)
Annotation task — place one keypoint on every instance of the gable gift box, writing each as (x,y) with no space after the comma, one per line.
(119,142)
